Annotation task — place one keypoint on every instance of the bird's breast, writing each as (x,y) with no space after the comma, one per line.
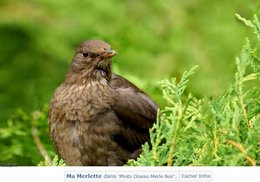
(84,102)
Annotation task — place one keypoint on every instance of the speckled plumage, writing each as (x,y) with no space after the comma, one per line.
(97,117)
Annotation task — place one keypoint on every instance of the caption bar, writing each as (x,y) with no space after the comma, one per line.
(138,176)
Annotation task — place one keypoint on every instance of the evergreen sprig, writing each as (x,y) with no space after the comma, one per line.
(220,131)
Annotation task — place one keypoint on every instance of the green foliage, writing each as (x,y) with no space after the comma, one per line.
(19,139)
(221,131)
(55,162)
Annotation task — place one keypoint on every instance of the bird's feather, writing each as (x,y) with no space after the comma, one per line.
(135,110)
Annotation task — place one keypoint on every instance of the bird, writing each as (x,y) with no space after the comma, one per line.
(96,117)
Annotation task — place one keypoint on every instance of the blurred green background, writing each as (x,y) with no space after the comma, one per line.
(155,39)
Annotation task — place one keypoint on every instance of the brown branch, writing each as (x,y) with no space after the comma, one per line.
(37,140)
(241,148)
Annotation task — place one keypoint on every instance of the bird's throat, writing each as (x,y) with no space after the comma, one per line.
(98,72)
(102,74)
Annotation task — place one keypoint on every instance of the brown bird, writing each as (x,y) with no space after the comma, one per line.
(97,117)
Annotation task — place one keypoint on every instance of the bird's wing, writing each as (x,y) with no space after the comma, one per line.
(135,109)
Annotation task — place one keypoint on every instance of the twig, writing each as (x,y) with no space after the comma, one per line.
(37,140)
(241,148)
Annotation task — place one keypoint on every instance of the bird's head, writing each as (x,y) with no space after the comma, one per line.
(93,60)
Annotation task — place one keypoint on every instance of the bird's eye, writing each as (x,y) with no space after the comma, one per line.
(85,54)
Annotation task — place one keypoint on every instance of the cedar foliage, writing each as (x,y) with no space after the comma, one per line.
(221,131)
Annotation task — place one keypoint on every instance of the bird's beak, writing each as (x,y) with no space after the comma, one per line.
(108,54)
